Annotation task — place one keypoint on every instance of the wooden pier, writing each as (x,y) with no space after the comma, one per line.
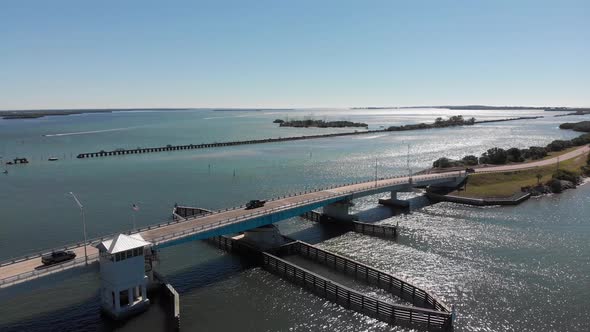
(386,231)
(120,152)
(427,311)
(187,212)
(363,272)
(490,201)
(395,314)
(17,161)
(172,299)
(314,216)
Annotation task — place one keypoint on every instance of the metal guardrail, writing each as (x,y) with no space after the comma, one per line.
(229,221)
(37,273)
(97,240)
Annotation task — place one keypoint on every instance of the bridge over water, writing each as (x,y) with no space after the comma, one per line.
(334,200)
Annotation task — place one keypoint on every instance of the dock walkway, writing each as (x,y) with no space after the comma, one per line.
(427,311)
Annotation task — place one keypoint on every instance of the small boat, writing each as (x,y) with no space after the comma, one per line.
(52,159)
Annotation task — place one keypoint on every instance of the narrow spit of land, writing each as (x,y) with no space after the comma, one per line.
(558,166)
(119,152)
(319,124)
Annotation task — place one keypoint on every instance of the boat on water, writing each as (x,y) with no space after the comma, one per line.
(52,159)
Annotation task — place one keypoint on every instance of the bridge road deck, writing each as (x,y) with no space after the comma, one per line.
(21,270)
(275,206)
(33,267)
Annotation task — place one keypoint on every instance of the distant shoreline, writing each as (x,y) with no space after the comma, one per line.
(251,109)
(480,107)
(35,114)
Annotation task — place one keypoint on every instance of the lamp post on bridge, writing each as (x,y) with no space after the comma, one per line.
(83,224)
(375,172)
(408,165)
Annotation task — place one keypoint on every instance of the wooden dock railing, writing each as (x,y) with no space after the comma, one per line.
(386,281)
(351,299)
(387,231)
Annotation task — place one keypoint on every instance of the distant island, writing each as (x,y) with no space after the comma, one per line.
(250,109)
(319,124)
(30,114)
(574,110)
(34,114)
(453,121)
(460,107)
(578,111)
(582,126)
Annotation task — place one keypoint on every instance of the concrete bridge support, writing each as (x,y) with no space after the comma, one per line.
(265,237)
(338,211)
(394,201)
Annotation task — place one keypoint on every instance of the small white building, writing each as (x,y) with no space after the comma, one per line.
(122,273)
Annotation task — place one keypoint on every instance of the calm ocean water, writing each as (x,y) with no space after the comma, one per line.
(522,268)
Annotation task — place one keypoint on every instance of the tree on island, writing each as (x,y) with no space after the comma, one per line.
(514,155)
(499,156)
(442,163)
(496,156)
(470,160)
(306,123)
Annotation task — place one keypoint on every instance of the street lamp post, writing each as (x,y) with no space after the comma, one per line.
(408,164)
(375,172)
(83,224)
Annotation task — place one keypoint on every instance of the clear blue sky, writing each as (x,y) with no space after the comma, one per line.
(316,53)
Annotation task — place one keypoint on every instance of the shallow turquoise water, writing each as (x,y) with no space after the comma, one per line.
(505,268)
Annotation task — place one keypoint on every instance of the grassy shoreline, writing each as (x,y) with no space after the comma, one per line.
(506,184)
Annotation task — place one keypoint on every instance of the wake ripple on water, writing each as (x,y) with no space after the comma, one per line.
(88,132)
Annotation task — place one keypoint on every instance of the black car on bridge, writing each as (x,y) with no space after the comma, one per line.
(57,257)
(253,204)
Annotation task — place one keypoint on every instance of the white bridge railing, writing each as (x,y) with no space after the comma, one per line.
(40,272)
(264,212)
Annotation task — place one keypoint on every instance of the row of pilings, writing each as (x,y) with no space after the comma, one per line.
(119,152)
